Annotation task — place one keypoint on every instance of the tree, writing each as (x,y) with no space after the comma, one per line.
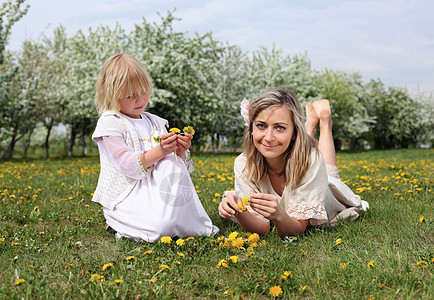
(396,114)
(231,86)
(350,118)
(84,57)
(11,105)
(10,12)
(182,72)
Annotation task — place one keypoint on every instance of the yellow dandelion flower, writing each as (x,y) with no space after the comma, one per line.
(153,279)
(190,238)
(216,195)
(180,242)
(422,219)
(69,266)
(233,235)
(223,264)
(238,243)
(165,267)
(276,291)
(177,262)
(246,201)
(422,263)
(19,281)
(118,281)
(96,277)
(303,252)
(343,266)
(188,129)
(176,130)
(380,285)
(241,206)
(166,239)
(283,277)
(106,266)
(338,241)
(371,264)
(253,238)
(180,254)
(287,273)
(130,258)
(147,252)
(233,258)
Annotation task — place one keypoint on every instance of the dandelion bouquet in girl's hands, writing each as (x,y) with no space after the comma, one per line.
(183,139)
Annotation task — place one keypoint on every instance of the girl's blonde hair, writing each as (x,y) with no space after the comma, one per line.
(120,76)
(297,157)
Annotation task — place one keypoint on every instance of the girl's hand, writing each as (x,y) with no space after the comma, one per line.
(183,142)
(168,142)
(266,205)
(228,206)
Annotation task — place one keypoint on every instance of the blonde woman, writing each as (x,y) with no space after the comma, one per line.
(284,174)
(144,184)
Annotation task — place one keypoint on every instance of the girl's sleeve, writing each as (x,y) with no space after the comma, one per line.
(307,202)
(123,158)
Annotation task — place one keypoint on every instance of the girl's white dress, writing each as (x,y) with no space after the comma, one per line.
(163,201)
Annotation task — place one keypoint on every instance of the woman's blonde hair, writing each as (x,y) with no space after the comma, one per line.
(120,76)
(297,157)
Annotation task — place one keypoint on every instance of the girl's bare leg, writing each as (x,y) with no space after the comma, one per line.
(325,143)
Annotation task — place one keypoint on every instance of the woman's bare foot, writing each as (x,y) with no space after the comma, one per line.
(323,111)
(312,119)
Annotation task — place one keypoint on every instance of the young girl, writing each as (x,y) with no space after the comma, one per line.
(144,184)
(288,178)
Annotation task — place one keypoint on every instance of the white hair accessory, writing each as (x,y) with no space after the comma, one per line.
(245,105)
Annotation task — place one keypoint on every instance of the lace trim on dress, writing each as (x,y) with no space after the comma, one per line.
(141,165)
(314,212)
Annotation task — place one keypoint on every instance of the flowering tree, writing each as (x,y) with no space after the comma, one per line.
(181,70)
(231,86)
(12,106)
(84,57)
(350,118)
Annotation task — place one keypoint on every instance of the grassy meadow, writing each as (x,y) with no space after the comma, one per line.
(53,244)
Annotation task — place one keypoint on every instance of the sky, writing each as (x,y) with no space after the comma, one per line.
(390,40)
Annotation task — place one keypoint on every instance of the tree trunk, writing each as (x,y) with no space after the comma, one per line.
(212,143)
(84,145)
(27,144)
(72,139)
(47,138)
(10,148)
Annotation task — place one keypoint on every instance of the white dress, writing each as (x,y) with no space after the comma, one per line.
(163,202)
(321,197)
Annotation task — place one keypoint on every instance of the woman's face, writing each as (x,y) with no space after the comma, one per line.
(272,133)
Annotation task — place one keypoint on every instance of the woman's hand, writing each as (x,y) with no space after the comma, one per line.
(168,142)
(183,143)
(228,206)
(266,205)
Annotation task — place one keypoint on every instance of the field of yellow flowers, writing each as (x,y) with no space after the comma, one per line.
(53,243)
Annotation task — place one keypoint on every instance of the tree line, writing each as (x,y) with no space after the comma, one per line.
(197,80)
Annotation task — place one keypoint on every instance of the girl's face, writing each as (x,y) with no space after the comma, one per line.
(134,104)
(272,133)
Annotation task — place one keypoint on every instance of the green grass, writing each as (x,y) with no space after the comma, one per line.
(53,237)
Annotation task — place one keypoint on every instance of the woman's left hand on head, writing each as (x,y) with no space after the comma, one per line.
(266,204)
